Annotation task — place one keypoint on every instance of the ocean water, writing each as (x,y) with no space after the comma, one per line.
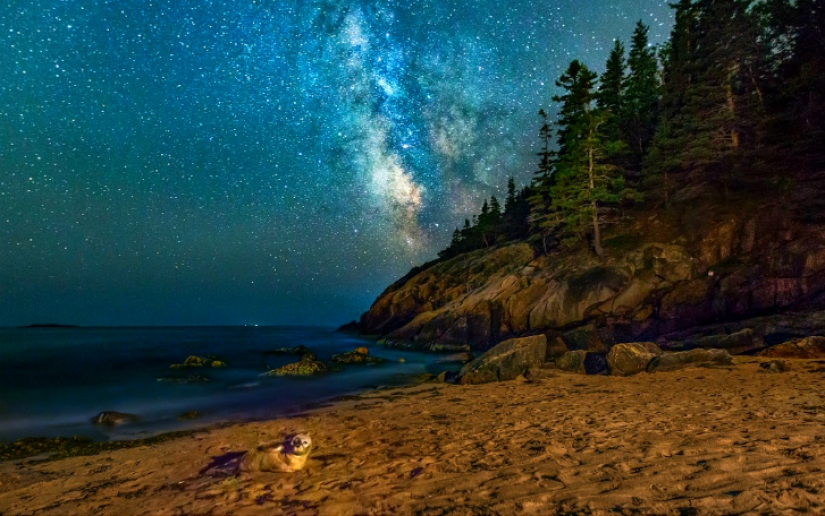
(53,381)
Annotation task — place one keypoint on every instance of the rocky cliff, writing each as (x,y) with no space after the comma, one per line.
(699,269)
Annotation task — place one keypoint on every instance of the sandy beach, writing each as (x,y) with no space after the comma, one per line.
(734,440)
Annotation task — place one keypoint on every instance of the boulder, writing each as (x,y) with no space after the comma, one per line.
(631,358)
(556,347)
(743,341)
(113,418)
(506,360)
(587,338)
(572,361)
(683,359)
(306,366)
(357,356)
(807,347)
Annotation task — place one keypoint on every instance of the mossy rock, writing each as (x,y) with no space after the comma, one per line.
(308,365)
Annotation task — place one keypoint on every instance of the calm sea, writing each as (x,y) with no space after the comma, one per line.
(53,381)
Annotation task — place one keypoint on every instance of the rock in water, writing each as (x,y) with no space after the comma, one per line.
(196,361)
(306,366)
(683,359)
(112,418)
(357,356)
(631,358)
(808,347)
(297,350)
(288,456)
(505,361)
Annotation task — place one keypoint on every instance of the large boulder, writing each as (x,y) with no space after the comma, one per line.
(694,357)
(807,347)
(631,358)
(587,338)
(743,341)
(572,361)
(506,361)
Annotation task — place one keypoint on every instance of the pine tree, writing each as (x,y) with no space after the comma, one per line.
(542,222)
(510,200)
(641,96)
(611,92)
(584,181)
(673,129)
(710,102)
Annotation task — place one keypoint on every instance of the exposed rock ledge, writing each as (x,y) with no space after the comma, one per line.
(705,282)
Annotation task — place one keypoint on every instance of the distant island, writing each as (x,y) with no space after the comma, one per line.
(50,325)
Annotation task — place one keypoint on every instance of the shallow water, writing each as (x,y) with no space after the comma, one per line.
(54,380)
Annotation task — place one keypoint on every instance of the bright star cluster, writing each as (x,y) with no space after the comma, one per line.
(263,162)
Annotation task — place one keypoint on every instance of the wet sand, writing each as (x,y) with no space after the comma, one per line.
(735,440)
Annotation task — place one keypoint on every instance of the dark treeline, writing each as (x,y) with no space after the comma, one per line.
(734,99)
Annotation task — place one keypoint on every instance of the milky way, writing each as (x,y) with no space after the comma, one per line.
(254,162)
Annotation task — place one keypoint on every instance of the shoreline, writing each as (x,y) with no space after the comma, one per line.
(694,441)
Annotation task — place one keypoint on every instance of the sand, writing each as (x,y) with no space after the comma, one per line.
(735,440)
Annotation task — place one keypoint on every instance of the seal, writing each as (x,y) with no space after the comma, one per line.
(112,418)
(288,456)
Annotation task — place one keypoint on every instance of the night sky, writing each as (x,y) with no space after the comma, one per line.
(264,161)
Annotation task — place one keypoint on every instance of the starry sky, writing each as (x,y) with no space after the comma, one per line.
(200,162)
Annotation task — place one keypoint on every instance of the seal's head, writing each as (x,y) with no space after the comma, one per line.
(299,444)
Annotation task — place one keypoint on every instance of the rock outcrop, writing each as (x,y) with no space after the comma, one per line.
(631,358)
(506,361)
(808,347)
(692,358)
(692,280)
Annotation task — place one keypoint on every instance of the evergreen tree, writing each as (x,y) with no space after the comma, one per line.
(584,181)
(797,126)
(641,96)
(510,200)
(710,103)
(542,221)
(674,127)
(611,92)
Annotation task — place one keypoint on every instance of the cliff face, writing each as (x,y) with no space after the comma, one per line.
(663,277)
